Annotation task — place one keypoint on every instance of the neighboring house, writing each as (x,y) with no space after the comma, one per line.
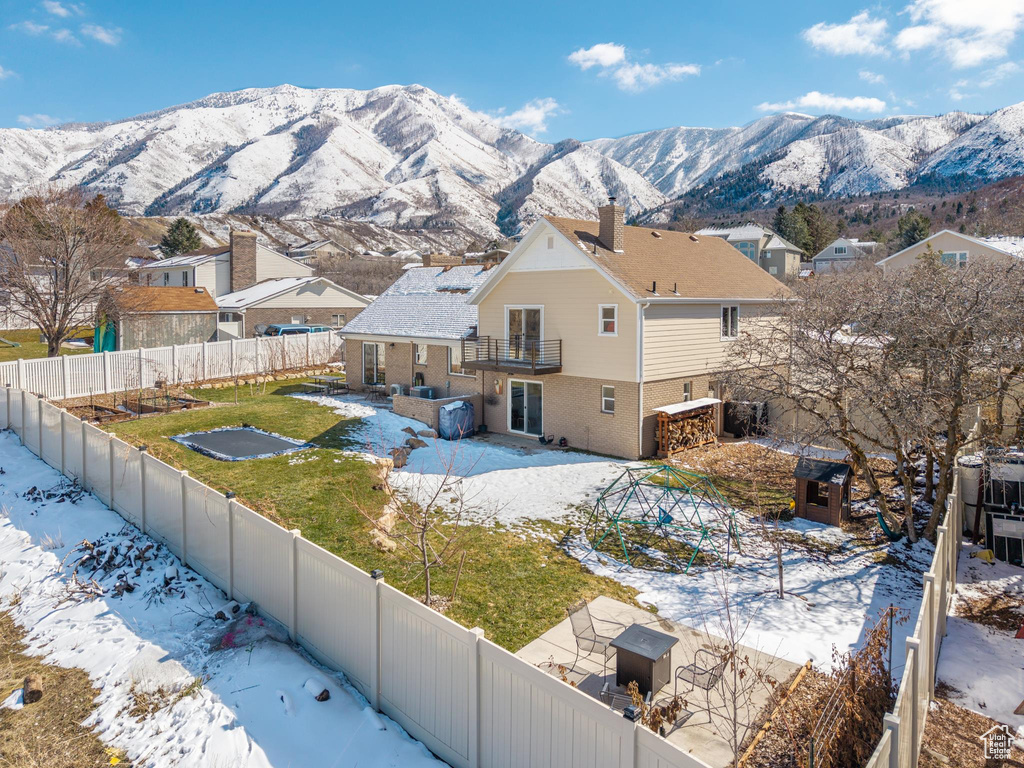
(956,249)
(314,249)
(411,336)
(313,300)
(148,317)
(773,253)
(587,327)
(842,253)
(224,269)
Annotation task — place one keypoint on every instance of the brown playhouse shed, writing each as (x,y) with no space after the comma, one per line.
(823,490)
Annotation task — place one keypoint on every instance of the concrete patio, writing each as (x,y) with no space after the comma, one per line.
(702,735)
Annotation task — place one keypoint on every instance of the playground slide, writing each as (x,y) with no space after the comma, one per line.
(7,343)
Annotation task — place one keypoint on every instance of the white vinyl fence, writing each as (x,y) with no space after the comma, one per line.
(471,702)
(904,728)
(105,372)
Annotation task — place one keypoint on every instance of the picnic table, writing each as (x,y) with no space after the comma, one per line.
(329,385)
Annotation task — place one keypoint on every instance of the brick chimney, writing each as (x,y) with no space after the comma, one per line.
(611,230)
(243,260)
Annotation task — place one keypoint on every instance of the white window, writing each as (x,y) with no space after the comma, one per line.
(455,362)
(167,278)
(730,322)
(773,270)
(184,279)
(298,319)
(551,242)
(955,259)
(748,250)
(421,354)
(687,392)
(338,321)
(840,250)
(607,399)
(609,320)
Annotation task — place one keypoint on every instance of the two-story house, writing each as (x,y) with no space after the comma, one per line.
(956,249)
(773,253)
(843,253)
(587,327)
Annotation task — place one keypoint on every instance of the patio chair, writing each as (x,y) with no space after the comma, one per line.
(587,639)
(703,672)
(619,701)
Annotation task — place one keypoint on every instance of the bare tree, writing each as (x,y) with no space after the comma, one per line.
(60,253)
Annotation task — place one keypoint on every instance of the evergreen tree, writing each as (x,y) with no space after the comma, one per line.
(913,227)
(181,237)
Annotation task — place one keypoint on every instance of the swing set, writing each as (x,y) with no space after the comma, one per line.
(682,511)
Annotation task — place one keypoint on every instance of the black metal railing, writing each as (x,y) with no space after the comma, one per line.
(516,353)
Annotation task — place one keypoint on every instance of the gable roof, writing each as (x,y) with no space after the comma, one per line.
(192,258)
(311,245)
(139,298)
(655,261)
(748,231)
(260,292)
(425,303)
(1002,246)
(778,241)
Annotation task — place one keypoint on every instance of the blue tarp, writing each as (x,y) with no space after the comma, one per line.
(455,420)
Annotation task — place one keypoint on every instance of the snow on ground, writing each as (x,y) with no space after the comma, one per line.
(252,710)
(506,485)
(984,665)
(838,589)
(834,590)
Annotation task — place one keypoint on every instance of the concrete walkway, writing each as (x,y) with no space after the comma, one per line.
(705,735)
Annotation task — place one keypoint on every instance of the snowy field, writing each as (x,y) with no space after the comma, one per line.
(254,707)
(835,587)
(985,665)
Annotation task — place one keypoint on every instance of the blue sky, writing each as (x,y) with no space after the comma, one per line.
(553,70)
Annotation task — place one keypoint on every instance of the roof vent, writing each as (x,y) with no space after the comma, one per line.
(200,290)
(694,238)
(656,234)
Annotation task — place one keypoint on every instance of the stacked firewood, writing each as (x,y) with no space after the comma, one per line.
(678,433)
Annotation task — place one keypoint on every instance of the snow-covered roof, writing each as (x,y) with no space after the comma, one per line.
(1012,244)
(254,294)
(749,231)
(312,245)
(191,259)
(780,242)
(425,302)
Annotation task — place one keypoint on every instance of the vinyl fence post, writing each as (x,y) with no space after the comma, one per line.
(931,624)
(106,372)
(110,456)
(184,517)
(293,618)
(142,484)
(7,407)
(231,348)
(913,644)
(39,427)
(174,363)
(21,374)
(65,377)
(230,496)
(205,353)
(23,422)
(307,349)
(378,582)
(140,375)
(891,723)
(474,703)
(62,431)
(85,452)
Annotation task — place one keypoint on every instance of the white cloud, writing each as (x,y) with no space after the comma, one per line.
(826,102)
(861,35)
(37,120)
(29,27)
(871,77)
(998,74)
(968,33)
(599,55)
(5,73)
(105,35)
(63,10)
(532,117)
(65,36)
(614,62)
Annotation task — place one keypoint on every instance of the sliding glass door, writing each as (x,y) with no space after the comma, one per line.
(373,363)
(526,407)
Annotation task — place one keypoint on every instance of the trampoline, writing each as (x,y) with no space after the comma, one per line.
(240,443)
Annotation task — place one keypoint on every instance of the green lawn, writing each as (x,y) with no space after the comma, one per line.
(514,584)
(30,346)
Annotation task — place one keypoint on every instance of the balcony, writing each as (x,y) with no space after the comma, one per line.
(515,355)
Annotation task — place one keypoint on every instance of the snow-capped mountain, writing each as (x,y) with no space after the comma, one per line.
(408,159)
